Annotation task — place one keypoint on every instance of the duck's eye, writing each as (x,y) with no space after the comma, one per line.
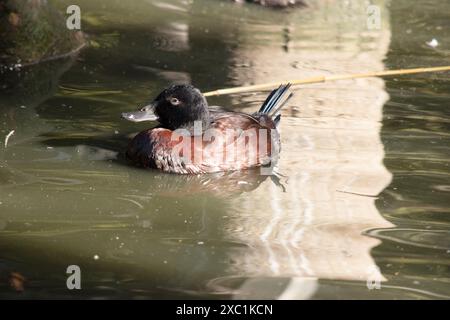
(174,101)
(145,109)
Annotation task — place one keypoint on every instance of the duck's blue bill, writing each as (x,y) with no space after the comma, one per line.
(145,114)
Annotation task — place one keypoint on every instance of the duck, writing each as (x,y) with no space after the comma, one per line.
(192,137)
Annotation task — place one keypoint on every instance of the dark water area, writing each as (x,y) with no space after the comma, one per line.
(362,192)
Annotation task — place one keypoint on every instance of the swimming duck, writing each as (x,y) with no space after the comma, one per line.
(193,138)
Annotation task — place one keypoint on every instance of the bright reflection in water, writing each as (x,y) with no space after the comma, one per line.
(311,231)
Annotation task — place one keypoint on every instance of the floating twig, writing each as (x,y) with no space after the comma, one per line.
(7,137)
(320,79)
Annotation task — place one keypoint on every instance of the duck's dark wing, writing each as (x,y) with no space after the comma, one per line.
(240,119)
(218,112)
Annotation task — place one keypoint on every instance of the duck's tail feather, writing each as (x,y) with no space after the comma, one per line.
(276,111)
(275,101)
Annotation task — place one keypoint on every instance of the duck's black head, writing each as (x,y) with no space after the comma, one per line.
(177,107)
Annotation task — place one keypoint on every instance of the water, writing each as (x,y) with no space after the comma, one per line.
(362,195)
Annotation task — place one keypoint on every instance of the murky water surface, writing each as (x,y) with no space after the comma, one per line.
(362,194)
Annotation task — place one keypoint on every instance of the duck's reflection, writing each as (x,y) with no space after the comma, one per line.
(221,184)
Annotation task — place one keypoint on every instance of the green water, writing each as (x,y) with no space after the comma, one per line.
(363,179)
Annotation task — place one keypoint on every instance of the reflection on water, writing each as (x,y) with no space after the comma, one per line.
(332,150)
(313,230)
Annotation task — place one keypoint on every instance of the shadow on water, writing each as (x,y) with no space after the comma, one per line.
(413,256)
